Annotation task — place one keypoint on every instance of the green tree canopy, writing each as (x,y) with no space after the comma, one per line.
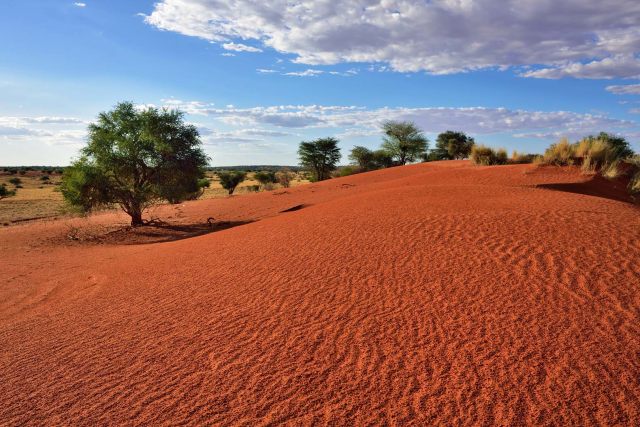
(453,145)
(404,141)
(266,177)
(135,158)
(230,180)
(320,157)
(363,157)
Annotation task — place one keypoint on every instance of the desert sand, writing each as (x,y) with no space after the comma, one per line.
(437,293)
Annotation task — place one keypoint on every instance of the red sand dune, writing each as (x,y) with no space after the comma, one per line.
(430,294)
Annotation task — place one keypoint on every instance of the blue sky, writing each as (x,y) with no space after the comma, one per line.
(259,77)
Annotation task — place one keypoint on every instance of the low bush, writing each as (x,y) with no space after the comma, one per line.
(15,181)
(5,192)
(561,153)
(520,158)
(483,155)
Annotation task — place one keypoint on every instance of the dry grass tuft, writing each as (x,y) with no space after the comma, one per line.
(485,156)
(561,153)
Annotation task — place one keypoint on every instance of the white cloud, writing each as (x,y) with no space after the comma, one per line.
(581,38)
(227,54)
(635,111)
(79,4)
(306,73)
(620,66)
(239,47)
(352,121)
(266,71)
(624,89)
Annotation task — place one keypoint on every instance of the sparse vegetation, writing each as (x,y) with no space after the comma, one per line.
(15,181)
(5,192)
(561,153)
(483,155)
(266,178)
(284,178)
(320,157)
(520,158)
(230,180)
(135,159)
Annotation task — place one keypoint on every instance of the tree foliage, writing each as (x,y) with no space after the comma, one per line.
(363,158)
(453,145)
(230,180)
(404,141)
(266,177)
(135,158)
(5,192)
(319,156)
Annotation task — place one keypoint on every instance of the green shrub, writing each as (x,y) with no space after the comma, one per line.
(230,180)
(5,192)
(15,181)
(44,178)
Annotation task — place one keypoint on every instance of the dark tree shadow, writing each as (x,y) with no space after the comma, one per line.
(597,187)
(156,231)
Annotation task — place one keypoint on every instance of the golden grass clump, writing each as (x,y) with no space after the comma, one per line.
(611,170)
(518,158)
(598,151)
(561,153)
(485,156)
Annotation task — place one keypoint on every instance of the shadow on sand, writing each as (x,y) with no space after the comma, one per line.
(597,187)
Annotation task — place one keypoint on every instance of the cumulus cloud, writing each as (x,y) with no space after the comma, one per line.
(353,121)
(620,66)
(50,130)
(624,89)
(239,47)
(580,38)
(79,4)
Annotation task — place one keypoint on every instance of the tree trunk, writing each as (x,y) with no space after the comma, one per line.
(136,218)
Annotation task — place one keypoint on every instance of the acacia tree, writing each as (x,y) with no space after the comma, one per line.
(320,157)
(135,158)
(404,141)
(230,180)
(453,145)
(362,157)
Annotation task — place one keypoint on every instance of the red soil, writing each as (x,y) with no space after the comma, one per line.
(429,294)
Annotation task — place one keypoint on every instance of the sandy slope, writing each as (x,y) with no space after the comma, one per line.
(438,293)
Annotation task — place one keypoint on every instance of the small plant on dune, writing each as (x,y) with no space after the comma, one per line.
(230,180)
(588,166)
(483,155)
(15,181)
(611,170)
(5,192)
(561,153)
(598,151)
(501,156)
(520,158)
